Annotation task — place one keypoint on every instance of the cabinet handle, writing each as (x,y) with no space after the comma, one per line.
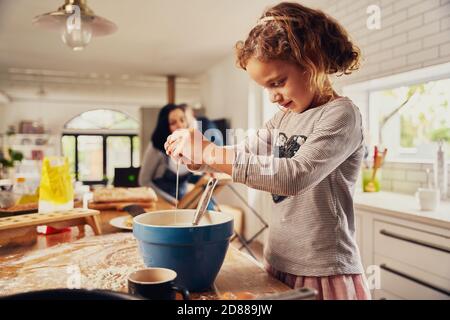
(418,242)
(413,279)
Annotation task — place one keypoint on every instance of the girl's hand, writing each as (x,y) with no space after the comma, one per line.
(186,145)
(194,150)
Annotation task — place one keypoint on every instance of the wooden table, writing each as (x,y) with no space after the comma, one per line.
(103,262)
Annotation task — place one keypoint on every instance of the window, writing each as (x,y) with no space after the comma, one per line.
(412,119)
(90,158)
(96,142)
(102,119)
(408,113)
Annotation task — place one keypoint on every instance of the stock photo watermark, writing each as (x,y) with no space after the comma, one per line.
(74,277)
(73,22)
(373,277)
(374,20)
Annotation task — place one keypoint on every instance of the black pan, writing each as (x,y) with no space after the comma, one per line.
(70,294)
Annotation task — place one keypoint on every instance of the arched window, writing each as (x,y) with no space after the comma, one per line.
(102,119)
(99,141)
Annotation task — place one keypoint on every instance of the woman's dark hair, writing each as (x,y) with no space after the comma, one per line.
(162,130)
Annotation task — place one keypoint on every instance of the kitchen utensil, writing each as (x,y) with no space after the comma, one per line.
(70,294)
(134,210)
(204,201)
(377,163)
(177,184)
(375,155)
(167,239)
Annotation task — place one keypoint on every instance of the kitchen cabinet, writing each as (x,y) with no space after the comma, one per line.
(408,249)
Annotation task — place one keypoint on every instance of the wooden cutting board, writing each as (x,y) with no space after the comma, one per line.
(119,205)
(19,209)
(21,229)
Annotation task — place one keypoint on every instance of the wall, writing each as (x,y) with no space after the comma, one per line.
(407,177)
(63,102)
(224,92)
(55,115)
(413,34)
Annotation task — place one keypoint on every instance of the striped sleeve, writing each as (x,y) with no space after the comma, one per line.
(257,142)
(337,135)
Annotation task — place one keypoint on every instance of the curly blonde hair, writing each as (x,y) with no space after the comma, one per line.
(306,37)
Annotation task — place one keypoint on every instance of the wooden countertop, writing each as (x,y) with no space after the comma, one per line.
(403,206)
(103,262)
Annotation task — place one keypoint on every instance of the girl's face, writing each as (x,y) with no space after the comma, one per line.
(286,82)
(177,120)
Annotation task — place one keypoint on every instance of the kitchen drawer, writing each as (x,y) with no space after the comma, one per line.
(405,287)
(424,251)
(425,284)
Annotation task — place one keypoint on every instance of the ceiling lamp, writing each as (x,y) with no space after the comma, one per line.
(76,22)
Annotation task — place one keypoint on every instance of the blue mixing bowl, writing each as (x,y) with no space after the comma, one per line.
(167,239)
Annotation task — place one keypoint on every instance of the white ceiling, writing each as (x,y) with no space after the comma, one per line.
(155,37)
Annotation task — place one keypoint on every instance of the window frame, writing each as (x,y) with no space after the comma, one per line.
(104,136)
(360,94)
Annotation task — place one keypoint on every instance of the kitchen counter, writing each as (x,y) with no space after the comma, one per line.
(404,207)
(103,262)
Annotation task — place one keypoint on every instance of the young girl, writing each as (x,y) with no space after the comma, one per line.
(291,52)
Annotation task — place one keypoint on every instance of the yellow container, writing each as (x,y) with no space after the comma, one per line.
(370,185)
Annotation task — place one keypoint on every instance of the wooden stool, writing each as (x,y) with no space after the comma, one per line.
(21,229)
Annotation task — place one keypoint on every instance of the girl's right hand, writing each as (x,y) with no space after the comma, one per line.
(185,145)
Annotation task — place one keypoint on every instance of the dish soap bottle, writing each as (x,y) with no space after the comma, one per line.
(440,171)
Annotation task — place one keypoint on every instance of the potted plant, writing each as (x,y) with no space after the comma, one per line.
(8,162)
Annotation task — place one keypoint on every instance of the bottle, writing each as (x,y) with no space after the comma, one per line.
(440,171)
(20,189)
(24,191)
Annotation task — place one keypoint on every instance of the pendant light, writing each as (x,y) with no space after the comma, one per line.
(76,22)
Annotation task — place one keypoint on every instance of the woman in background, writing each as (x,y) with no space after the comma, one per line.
(158,170)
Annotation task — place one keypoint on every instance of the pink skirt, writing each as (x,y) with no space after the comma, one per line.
(338,287)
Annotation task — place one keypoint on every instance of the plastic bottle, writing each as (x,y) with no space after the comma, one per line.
(21,190)
(440,171)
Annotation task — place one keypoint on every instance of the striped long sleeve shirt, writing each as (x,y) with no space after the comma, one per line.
(309,162)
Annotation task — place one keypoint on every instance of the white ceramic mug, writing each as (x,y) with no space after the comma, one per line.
(428,199)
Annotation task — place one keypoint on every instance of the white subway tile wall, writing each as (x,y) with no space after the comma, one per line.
(407,178)
(414,34)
